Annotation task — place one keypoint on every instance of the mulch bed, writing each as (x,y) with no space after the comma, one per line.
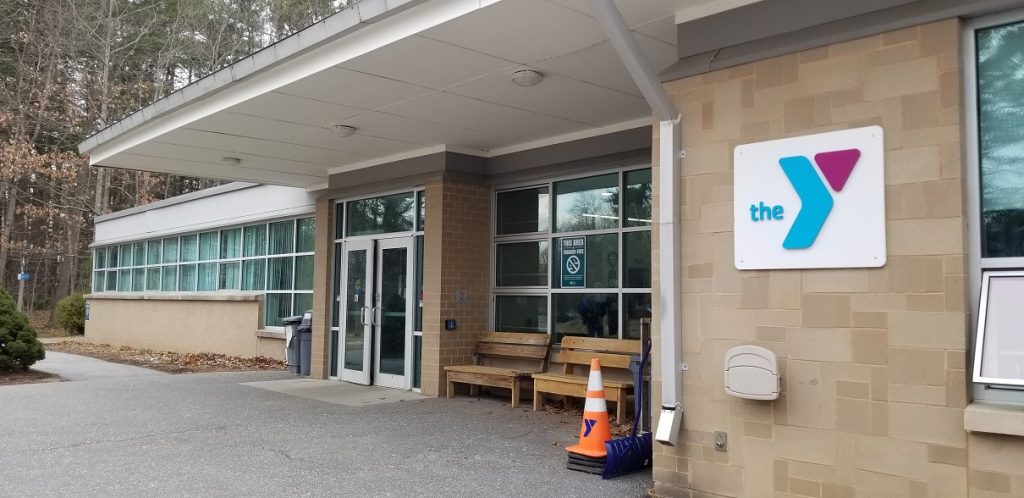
(166,361)
(27,377)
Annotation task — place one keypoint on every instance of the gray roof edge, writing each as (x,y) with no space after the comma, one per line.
(191,196)
(358,14)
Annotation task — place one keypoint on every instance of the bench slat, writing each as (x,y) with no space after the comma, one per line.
(620,346)
(512,350)
(608,360)
(515,338)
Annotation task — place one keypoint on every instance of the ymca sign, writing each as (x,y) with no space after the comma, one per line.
(816,201)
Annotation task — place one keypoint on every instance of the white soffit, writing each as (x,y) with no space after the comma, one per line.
(435,74)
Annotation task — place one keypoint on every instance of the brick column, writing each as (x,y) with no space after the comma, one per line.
(456,258)
(323,271)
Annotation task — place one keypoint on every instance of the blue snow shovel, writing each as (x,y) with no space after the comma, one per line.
(632,453)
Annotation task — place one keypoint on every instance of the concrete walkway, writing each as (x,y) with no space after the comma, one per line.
(142,433)
(75,367)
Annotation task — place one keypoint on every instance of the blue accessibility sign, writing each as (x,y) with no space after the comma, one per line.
(574,262)
(23,276)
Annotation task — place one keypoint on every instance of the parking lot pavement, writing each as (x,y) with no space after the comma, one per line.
(208,434)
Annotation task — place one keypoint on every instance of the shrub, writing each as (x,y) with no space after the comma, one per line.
(19,347)
(71,313)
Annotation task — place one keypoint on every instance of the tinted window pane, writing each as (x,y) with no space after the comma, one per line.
(637,205)
(421,210)
(230,243)
(169,280)
(139,251)
(593,315)
(255,241)
(587,204)
(207,280)
(304,273)
(124,280)
(189,248)
(112,257)
(303,303)
(278,306)
(207,246)
(153,279)
(418,315)
(254,274)
(523,211)
(392,213)
(98,280)
(153,252)
(187,279)
(279,273)
(637,308)
(602,265)
(521,264)
(1001,139)
(230,276)
(521,314)
(170,251)
(111,281)
(636,248)
(99,259)
(138,279)
(307,233)
(125,255)
(339,220)
(282,237)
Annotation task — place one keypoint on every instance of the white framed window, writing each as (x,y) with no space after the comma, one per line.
(993,51)
(999,355)
(272,257)
(611,212)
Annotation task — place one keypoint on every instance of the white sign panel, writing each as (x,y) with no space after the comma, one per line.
(816,201)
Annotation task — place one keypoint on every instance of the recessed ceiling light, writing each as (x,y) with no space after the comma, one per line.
(527,77)
(231,160)
(344,131)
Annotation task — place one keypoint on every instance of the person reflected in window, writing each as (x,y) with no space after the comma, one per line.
(592,314)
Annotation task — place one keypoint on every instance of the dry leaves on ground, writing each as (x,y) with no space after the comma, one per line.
(27,377)
(167,361)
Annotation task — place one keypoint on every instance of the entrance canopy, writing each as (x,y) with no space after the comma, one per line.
(409,79)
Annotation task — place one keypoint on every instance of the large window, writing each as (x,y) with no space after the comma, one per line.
(275,258)
(607,219)
(995,195)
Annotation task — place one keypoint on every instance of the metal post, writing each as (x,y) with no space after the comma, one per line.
(21,286)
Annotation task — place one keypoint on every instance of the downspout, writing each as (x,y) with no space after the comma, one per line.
(669,154)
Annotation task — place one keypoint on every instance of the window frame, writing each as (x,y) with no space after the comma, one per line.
(551,234)
(981,330)
(976,264)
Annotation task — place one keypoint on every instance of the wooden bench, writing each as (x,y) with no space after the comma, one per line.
(614,354)
(523,354)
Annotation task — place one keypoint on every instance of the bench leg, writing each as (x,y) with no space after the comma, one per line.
(538,399)
(620,410)
(474,390)
(515,392)
(451,389)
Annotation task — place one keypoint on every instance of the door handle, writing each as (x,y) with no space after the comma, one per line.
(362,315)
(376,316)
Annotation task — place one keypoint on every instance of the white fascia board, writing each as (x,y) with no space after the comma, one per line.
(577,135)
(364,40)
(423,151)
(216,208)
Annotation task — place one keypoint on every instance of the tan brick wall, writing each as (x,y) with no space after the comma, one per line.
(181,325)
(456,258)
(323,275)
(872,359)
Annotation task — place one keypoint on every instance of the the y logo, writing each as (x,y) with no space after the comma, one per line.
(588,424)
(815,200)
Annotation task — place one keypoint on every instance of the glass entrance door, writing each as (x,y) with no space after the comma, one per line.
(377,292)
(357,310)
(392,323)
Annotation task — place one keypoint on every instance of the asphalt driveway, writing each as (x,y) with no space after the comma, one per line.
(211,435)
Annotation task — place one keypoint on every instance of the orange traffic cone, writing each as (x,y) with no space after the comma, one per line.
(589,455)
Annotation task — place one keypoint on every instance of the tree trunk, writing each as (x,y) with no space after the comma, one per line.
(5,237)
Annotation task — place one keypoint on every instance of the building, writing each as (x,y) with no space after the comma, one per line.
(446,186)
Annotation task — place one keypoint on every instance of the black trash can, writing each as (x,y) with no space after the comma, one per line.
(305,339)
(291,346)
